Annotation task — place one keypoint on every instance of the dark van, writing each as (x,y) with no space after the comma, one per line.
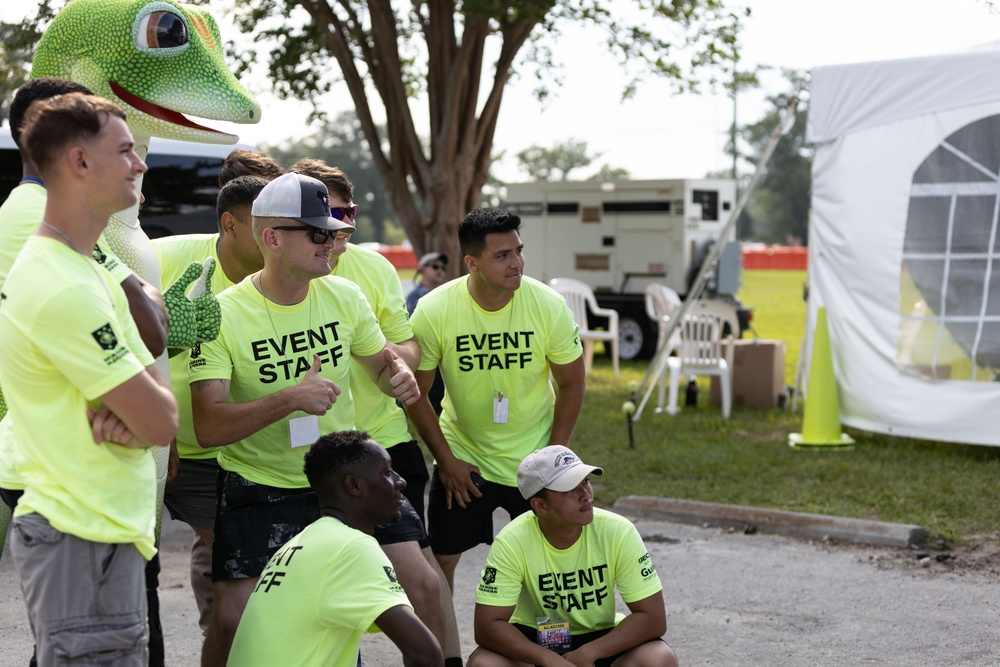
(179,188)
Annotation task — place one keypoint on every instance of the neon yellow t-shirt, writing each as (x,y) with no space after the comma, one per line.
(68,340)
(264,347)
(315,598)
(481,353)
(20,216)
(176,254)
(575,584)
(377,413)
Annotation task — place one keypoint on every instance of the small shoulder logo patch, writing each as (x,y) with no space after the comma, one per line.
(391,573)
(105,337)
(489,575)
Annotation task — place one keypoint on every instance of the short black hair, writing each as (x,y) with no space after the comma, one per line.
(334,452)
(477,224)
(37,89)
(236,194)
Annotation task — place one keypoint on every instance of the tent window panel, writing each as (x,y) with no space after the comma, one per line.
(975,218)
(965,334)
(965,287)
(977,143)
(993,296)
(988,350)
(927,225)
(945,166)
(927,275)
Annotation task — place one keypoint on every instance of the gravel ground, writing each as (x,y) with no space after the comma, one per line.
(732,599)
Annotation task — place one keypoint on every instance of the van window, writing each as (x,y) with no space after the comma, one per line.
(179,188)
(180,193)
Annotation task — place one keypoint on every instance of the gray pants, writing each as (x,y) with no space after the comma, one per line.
(86,600)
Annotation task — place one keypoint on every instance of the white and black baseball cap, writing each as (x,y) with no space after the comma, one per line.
(554,467)
(299,197)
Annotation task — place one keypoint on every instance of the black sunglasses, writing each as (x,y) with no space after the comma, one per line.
(436,267)
(344,212)
(318,236)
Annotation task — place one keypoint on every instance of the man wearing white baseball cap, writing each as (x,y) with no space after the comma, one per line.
(549,583)
(271,384)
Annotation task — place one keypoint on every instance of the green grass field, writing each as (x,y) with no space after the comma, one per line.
(950,489)
(779,311)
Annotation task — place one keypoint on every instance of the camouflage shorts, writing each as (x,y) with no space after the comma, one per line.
(253,521)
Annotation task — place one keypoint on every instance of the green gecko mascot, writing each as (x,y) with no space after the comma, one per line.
(161,61)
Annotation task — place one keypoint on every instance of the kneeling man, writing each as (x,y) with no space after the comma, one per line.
(547,593)
(331,583)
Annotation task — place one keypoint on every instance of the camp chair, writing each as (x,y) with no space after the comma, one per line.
(705,350)
(581,301)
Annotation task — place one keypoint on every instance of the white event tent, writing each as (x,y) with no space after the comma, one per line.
(904,245)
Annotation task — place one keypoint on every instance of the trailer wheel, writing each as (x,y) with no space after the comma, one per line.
(631,338)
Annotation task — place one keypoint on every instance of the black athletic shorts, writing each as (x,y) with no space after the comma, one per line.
(192,496)
(457,530)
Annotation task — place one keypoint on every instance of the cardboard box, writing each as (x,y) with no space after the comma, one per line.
(758,374)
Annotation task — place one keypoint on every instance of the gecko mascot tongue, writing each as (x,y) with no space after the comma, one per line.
(160,61)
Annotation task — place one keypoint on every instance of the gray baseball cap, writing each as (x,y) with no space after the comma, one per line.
(299,197)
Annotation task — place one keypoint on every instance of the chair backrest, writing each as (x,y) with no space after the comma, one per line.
(661,302)
(702,337)
(579,297)
(726,312)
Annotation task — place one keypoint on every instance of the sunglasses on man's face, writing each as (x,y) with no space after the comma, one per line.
(436,267)
(344,212)
(318,236)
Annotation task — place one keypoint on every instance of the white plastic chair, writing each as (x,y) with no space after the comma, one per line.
(580,299)
(661,303)
(702,350)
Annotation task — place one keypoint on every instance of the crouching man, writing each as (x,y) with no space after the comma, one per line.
(330,583)
(547,593)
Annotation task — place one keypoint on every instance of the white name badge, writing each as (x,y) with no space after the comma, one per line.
(303,431)
(500,406)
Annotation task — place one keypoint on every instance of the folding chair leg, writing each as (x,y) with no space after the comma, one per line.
(675,380)
(614,356)
(660,379)
(662,393)
(727,394)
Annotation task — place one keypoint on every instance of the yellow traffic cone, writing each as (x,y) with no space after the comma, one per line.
(821,424)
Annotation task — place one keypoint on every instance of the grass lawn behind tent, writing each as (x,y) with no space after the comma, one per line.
(950,489)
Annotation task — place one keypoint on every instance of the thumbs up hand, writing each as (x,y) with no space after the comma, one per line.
(404,385)
(315,394)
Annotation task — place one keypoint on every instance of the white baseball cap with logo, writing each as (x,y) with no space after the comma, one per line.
(554,467)
(299,197)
